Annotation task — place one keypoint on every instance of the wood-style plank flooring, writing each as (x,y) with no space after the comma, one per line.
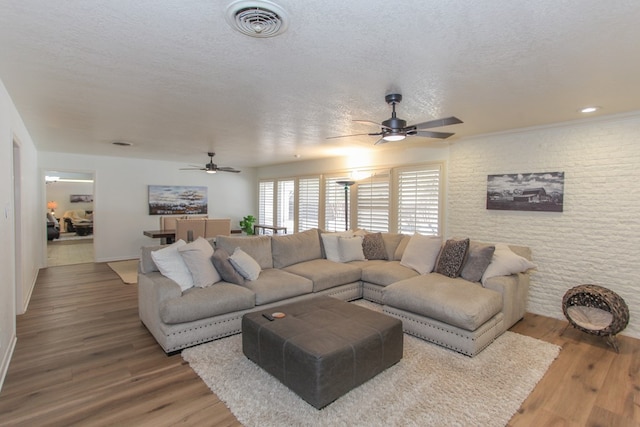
(84,358)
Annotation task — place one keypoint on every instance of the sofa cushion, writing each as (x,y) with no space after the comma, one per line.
(391,242)
(402,245)
(373,246)
(294,248)
(386,273)
(456,302)
(326,274)
(350,249)
(452,257)
(200,303)
(478,259)
(171,264)
(227,271)
(421,253)
(276,285)
(197,255)
(258,247)
(146,262)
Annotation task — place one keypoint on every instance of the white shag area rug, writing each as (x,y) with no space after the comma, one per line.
(430,386)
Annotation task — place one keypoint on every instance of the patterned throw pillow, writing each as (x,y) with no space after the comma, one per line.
(452,257)
(373,246)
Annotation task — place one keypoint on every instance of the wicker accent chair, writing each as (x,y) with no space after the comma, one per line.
(596,310)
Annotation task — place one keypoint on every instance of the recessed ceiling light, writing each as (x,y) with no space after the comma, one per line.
(588,110)
(122,143)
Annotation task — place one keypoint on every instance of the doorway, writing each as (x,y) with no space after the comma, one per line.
(70,200)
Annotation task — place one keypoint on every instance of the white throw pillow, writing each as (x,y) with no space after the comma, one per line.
(505,262)
(421,253)
(244,264)
(171,265)
(350,249)
(197,255)
(330,243)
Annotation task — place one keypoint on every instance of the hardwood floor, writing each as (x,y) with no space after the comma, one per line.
(84,358)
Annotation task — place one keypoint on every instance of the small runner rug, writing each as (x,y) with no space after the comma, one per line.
(127,270)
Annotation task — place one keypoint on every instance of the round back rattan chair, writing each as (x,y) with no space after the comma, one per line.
(596,310)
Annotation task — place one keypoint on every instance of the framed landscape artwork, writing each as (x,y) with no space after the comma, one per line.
(542,191)
(177,200)
(81,198)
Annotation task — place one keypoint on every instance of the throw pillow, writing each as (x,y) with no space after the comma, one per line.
(171,265)
(478,259)
(373,246)
(221,262)
(421,253)
(350,249)
(505,263)
(402,245)
(452,257)
(330,243)
(244,264)
(197,255)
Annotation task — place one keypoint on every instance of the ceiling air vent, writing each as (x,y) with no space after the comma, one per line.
(257,18)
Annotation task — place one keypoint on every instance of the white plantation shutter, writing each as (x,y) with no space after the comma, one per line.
(373,203)
(308,203)
(419,199)
(266,202)
(285,201)
(334,204)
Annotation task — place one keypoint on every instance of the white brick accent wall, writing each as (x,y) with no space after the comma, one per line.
(595,240)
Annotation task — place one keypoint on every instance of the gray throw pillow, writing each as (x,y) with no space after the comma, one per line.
(373,246)
(221,262)
(478,260)
(452,257)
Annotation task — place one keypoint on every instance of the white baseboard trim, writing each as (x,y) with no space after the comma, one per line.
(6,359)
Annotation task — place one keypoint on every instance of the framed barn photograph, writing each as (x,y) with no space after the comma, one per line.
(177,200)
(540,191)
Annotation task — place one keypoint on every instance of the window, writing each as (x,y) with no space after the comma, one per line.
(334,204)
(266,202)
(285,202)
(418,199)
(308,203)
(372,204)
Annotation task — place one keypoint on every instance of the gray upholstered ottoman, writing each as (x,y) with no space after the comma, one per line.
(323,347)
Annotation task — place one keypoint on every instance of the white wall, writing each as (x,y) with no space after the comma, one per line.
(31,230)
(594,240)
(121,210)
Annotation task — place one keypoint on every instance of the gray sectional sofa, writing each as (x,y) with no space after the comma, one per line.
(452,312)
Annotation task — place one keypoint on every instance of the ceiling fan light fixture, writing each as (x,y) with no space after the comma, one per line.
(392,137)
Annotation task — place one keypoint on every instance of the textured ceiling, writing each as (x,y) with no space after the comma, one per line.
(175,80)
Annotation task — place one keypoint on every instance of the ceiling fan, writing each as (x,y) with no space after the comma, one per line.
(211,167)
(395,129)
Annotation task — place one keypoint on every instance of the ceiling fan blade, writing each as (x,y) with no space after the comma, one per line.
(371,122)
(431,134)
(192,169)
(447,121)
(228,169)
(355,134)
(380,141)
